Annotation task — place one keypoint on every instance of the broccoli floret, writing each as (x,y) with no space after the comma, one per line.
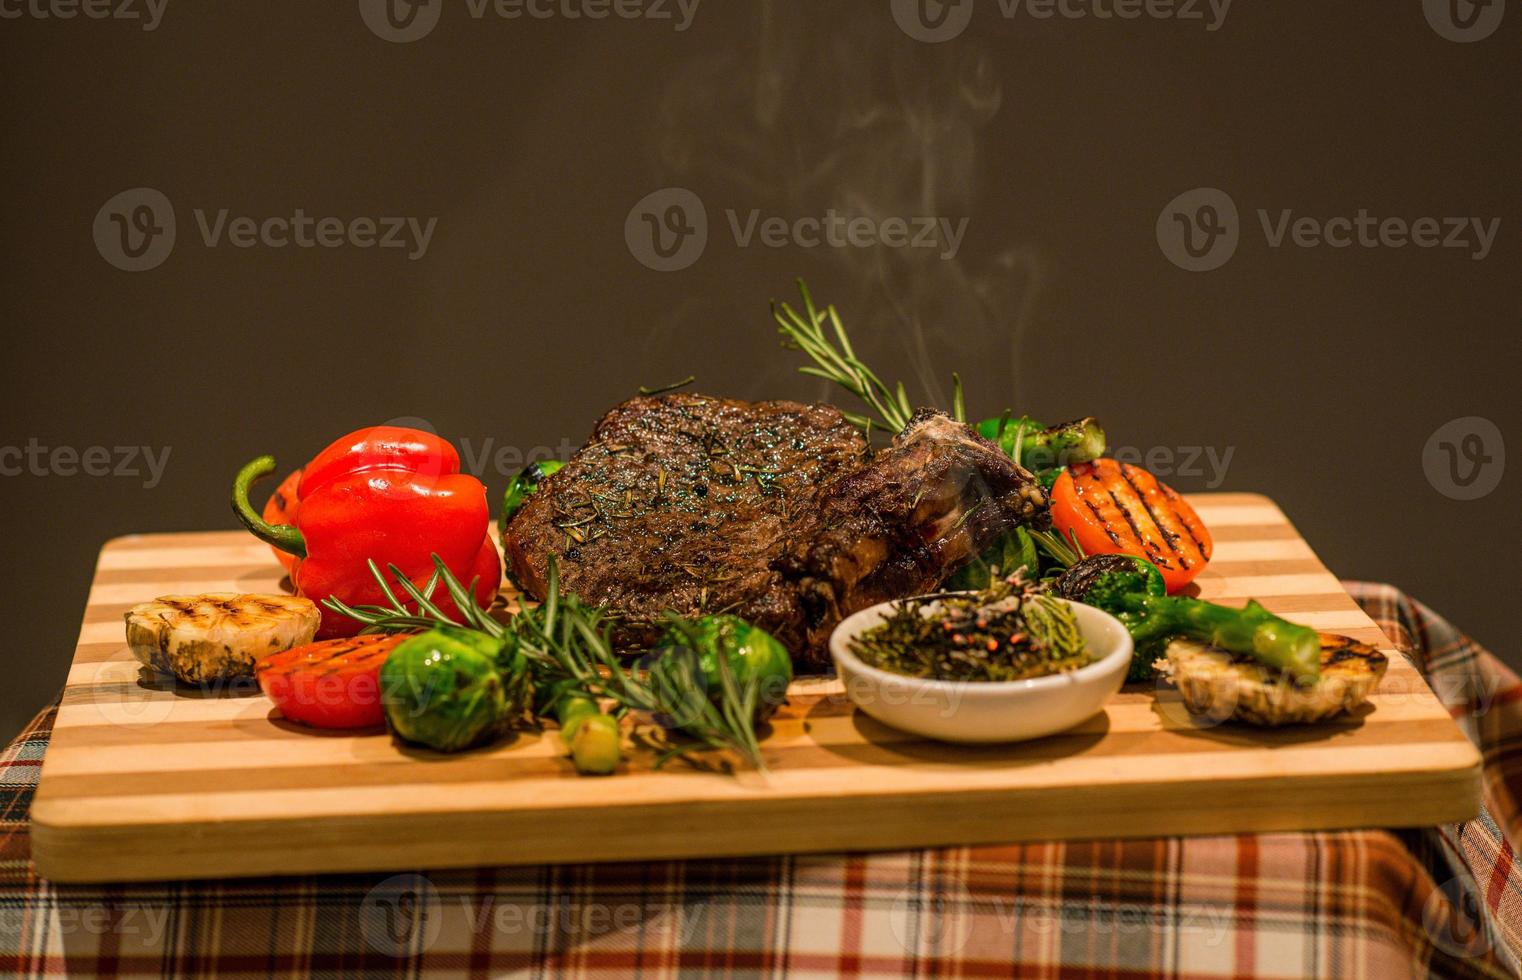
(1105,581)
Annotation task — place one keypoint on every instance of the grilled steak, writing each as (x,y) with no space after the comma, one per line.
(775,511)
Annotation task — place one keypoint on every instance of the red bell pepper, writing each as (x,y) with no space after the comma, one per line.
(388,494)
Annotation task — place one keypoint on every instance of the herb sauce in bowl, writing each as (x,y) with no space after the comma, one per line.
(1008,632)
(903,663)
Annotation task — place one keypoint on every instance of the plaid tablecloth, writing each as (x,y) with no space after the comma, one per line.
(1443,901)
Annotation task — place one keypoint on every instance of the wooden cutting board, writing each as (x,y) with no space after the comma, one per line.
(144,782)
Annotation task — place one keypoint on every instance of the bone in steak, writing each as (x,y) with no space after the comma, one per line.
(774,511)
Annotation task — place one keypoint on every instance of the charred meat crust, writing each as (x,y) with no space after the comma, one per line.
(775,511)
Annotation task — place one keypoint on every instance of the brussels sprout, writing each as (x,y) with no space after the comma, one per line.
(592,738)
(447,690)
(754,656)
(596,745)
(525,483)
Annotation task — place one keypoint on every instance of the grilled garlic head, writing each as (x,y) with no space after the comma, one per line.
(1226,686)
(218,635)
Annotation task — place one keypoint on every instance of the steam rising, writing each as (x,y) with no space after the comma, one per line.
(835,108)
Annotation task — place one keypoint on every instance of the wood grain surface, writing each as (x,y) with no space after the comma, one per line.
(144,780)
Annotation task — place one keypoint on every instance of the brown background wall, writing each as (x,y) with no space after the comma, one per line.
(1322,371)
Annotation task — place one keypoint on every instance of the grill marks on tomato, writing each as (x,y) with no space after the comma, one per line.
(1170,538)
(1139,537)
(1158,529)
(350,655)
(1115,507)
(1199,536)
(330,683)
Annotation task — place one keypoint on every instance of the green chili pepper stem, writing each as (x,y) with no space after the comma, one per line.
(283,536)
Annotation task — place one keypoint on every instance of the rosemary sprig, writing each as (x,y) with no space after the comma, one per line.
(398,617)
(662,389)
(1062,547)
(837,361)
(670,688)
(569,645)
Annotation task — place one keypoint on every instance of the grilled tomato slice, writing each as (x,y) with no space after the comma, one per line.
(331,683)
(1117,508)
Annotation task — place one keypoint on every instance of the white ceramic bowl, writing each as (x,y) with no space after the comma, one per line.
(986,711)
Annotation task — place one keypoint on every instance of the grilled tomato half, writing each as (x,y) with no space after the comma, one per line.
(331,683)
